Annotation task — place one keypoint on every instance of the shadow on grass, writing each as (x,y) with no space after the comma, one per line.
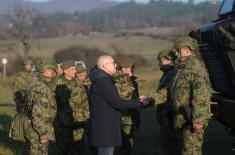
(6,143)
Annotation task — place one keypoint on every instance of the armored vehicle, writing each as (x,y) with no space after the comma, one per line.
(217,48)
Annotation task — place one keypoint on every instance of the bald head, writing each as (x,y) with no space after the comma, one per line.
(107,64)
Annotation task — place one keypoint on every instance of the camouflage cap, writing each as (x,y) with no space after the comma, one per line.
(42,65)
(127,64)
(186,42)
(67,64)
(58,61)
(28,61)
(80,68)
(167,53)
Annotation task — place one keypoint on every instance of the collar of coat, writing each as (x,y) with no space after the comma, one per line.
(97,73)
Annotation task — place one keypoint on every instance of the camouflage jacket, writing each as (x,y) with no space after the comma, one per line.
(124,85)
(72,102)
(191,93)
(87,84)
(20,85)
(135,92)
(41,106)
(162,97)
(21,81)
(135,114)
(162,94)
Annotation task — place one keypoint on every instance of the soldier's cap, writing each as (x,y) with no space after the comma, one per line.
(119,67)
(166,53)
(186,42)
(28,61)
(67,64)
(58,61)
(42,65)
(80,68)
(126,64)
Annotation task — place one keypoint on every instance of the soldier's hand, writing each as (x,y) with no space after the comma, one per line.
(44,141)
(197,127)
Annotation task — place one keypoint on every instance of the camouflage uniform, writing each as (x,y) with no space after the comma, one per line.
(190,94)
(20,84)
(87,84)
(164,108)
(129,118)
(81,69)
(72,116)
(41,110)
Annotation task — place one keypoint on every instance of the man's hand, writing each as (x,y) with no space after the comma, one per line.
(145,99)
(44,141)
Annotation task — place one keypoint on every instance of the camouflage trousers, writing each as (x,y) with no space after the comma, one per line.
(78,144)
(34,145)
(192,142)
(168,138)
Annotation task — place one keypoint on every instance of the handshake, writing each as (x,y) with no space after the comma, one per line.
(146,100)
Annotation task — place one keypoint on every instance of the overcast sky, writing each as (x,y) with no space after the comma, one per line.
(113,0)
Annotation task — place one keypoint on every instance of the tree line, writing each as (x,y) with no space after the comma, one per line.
(26,24)
(155,13)
(127,15)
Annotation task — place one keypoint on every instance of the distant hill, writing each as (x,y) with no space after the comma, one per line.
(66,6)
(155,13)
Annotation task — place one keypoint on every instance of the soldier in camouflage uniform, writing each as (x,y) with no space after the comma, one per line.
(190,94)
(81,75)
(164,108)
(41,109)
(73,111)
(128,89)
(20,84)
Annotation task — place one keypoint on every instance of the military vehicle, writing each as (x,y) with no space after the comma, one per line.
(217,48)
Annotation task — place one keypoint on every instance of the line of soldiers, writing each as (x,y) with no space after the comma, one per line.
(54,98)
(183,99)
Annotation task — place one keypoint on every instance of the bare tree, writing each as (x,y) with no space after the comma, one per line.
(23,25)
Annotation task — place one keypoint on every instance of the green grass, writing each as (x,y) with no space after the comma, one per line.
(6,93)
(8,146)
(142,45)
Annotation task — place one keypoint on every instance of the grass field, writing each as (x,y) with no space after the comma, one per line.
(140,45)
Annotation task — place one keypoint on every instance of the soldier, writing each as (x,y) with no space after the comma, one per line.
(128,89)
(81,75)
(20,84)
(129,69)
(164,109)
(73,111)
(41,109)
(190,94)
